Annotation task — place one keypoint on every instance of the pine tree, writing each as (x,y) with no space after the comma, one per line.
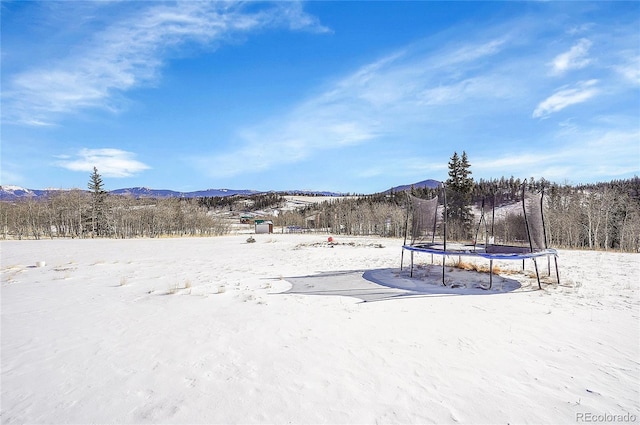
(459,196)
(98,196)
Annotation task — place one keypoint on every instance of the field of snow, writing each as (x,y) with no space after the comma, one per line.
(292,329)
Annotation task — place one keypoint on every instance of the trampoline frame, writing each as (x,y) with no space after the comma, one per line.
(489,251)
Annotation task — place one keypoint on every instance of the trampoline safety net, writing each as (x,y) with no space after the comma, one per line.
(534,221)
(424,219)
(519,234)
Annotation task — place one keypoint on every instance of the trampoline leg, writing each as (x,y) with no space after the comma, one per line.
(411,272)
(557,272)
(490,273)
(535,264)
(444,257)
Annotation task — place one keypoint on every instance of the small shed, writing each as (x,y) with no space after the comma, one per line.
(264,226)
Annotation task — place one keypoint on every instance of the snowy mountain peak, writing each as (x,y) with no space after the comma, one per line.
(12,188)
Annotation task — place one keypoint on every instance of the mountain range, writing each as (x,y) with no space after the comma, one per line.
(431,184)
(9,193)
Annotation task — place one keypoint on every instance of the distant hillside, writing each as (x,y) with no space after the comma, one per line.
(145,192)
(431,184)
(9,193)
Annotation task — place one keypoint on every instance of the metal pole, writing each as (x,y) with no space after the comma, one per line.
(406,227)
(535,264)
(411,272)
(475,239)
(493,213)
(490,272)
(444,256)
(526,220)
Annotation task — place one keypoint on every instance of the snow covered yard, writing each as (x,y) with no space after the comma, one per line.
(213,330)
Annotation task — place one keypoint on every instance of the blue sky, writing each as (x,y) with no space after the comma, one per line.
(344,96)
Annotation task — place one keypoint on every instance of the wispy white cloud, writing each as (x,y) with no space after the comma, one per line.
(109,162)
(475,51)
(580,29)
(565,97)
(292,14)
(578,156)
(306,133)
(575,58)
(8,176)
(131,52)
(376,102)
(630,69)
(428,99)
(518,160)
(461,91)
(606,153)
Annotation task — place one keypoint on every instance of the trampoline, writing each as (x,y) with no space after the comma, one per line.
(527,231)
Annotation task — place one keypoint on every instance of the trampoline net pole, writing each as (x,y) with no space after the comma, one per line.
(490,273)
(406,227)
(444,231)
(535,264)
(411,271)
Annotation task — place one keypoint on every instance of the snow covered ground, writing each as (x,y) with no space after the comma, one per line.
(218,330)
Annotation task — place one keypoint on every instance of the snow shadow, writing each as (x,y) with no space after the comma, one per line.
(393,283)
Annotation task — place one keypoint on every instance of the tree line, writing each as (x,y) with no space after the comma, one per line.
(81,214)
(595,216)
(382,215)
(242,202)
(603,216)
(599,216)
(70,214)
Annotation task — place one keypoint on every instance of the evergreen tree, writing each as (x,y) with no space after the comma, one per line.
(459,196)
(98,196)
